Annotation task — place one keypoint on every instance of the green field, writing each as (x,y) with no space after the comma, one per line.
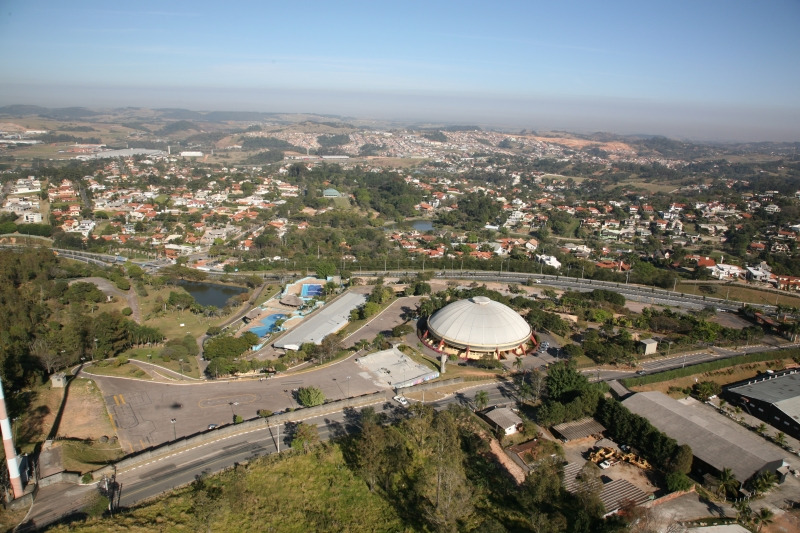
(293,493)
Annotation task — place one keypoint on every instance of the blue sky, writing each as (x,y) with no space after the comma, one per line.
(722,70)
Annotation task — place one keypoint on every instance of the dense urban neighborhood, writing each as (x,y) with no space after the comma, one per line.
(435,327)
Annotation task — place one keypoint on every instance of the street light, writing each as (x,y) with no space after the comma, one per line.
(95,348)
(180,366)
(174,430)
(348,386)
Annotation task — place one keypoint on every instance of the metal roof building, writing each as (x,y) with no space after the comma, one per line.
(579,429)
(716,441)
(330,319)
(773,397)
(480,325)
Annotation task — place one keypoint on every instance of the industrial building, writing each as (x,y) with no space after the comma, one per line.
(478,326)
(717,442)
(773,397)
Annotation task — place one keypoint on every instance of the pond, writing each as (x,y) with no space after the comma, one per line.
(422,225)
(210,293)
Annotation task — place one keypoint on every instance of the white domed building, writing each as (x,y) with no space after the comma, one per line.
(474,327)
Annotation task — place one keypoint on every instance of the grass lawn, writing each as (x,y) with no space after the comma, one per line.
(152,355)
(722,376)
(110,367)
(31,426)
(84,456)
(296,492)
(738,293)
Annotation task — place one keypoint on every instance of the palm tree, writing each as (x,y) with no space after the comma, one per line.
(780,438)
(481,400)
(762,427)
(727,483)
(763,518)
(743,511)
(518,364)
(764,482)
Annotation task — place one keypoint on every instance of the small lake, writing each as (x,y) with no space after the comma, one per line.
(210,293)
(422,225)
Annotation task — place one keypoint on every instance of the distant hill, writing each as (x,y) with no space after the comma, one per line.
(64,113)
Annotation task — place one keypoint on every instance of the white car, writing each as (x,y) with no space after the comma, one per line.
(401,400)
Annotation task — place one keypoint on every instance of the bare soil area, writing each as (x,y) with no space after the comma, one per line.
(85,415)
(575,451)
(722,376)
(583,143)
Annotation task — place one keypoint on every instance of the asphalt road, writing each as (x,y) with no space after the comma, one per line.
(165,473)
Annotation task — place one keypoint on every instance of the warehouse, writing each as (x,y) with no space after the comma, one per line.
(773,397)
(716,441)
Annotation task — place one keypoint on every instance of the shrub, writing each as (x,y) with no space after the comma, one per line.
(678,481)
(237,419)
(87,478)
(127,311)
(264,413)
(310,396)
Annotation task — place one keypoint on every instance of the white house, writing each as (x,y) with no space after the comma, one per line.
(549,260)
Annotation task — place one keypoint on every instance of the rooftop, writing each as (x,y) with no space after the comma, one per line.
(714,439)
(782,390)
(579,429)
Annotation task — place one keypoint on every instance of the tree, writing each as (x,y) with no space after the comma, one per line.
(588,489)
(780,438)
(310,396)
(325,270)
(481,400)
(681,460)
(727,483)
(763,518)
(304,436)
(518,364)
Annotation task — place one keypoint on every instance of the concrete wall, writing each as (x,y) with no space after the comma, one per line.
(61,477)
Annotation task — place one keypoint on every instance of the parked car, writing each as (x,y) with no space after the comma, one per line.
(401,400)
(212,426)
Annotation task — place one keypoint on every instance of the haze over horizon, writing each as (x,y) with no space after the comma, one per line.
(709,71)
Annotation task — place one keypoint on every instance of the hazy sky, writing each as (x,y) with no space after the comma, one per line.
(722,70)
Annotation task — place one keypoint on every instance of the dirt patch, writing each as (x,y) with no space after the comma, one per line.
(614,146)
(85,415)
(785,522)
(576,451)
(722,376)
(513,468)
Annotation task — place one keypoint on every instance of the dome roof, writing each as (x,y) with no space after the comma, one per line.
(480,324)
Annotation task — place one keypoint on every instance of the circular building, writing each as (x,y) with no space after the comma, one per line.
(478,326)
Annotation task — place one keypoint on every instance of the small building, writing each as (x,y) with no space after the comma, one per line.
(579,429)
(58,380)
(650,346)
(331,193)
(505,419)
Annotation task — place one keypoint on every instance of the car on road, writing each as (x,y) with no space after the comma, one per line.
(640,372)
(401,400)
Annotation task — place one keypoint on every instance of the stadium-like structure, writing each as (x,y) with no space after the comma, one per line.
(478,326)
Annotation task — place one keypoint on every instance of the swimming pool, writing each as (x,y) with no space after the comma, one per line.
(310,290)
(268,325)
